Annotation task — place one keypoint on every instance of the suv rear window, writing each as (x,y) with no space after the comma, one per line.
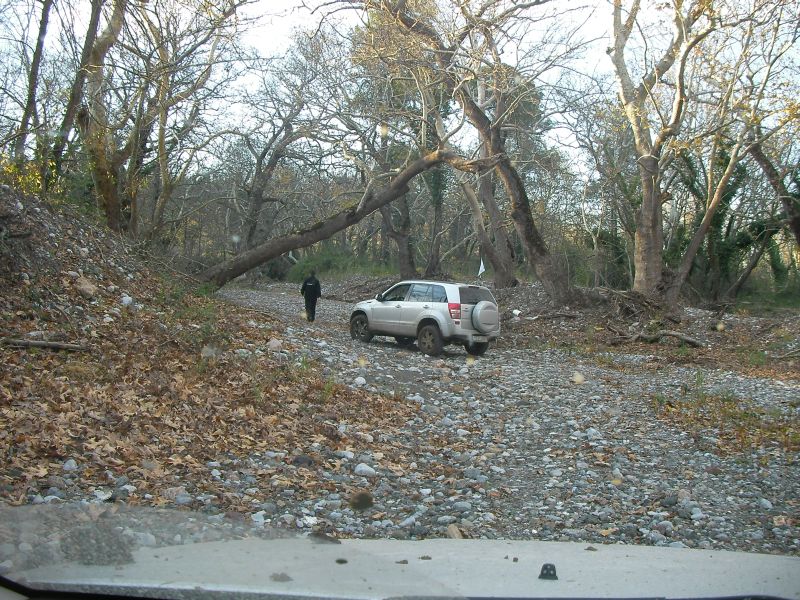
(473,295)
(439,293)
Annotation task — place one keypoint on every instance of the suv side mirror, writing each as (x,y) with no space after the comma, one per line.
(379,297)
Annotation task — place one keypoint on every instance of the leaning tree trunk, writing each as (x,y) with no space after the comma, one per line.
(554,277)
(791,203)
(75,93)
(504,269)
(673,291)
(733,291)
(33,84)
(94,126)
(370,202)
(499,266)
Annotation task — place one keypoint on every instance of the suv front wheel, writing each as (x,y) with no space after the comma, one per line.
(429,340)
(359,328)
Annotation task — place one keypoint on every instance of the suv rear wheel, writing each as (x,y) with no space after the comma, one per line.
(476,348)
(429,340)
(359,328)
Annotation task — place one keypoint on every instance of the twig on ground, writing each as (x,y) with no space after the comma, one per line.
(42,344)
(788,354)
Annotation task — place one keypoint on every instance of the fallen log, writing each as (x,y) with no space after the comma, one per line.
(656,337)
(42,344)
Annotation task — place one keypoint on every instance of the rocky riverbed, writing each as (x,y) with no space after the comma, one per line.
(546,444)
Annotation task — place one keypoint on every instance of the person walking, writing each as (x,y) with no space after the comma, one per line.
(311,292)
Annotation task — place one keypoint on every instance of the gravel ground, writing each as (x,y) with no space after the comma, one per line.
(538,444)
(547,445)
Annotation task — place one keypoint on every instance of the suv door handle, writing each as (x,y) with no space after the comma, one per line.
(425,306)
(397,306)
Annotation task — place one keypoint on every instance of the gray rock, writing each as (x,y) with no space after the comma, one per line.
(765,504)
(669,501)
(287,519)
(665,527)
(269,508)
(472,473)
(364,470)
(54,491)
(593,434)
(656,537)
(462,506)
(183,499)
(446,520)
(70,465)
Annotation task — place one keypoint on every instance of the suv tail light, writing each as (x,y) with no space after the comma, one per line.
(455,310)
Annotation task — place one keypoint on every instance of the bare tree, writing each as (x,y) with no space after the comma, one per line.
(456,54)
(157,95)
(718,64)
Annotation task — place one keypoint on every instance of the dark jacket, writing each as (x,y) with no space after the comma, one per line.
(311,289)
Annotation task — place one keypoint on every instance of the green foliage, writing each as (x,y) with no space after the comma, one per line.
(716,262)
(780,272)
(24,177)
(336,262)
(761,300)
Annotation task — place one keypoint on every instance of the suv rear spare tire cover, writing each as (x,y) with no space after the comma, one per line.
(485,317)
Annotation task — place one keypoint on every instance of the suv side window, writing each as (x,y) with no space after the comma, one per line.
(420,292)
(439,294)
(396,294)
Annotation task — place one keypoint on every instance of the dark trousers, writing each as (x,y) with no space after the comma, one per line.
(311,308)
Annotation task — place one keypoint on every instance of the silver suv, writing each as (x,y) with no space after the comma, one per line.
(431,312)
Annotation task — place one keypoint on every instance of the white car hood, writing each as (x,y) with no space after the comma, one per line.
(430,568)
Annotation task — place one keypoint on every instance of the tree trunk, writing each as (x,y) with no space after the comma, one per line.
(649,237)
(370,202)
(554,278)
(434,266)
(402,237)
(734,290)
(33,84)
(791,204)
(673,292)
(436,185)
(504,269)
(94,123)
(503,272)
(76,92)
